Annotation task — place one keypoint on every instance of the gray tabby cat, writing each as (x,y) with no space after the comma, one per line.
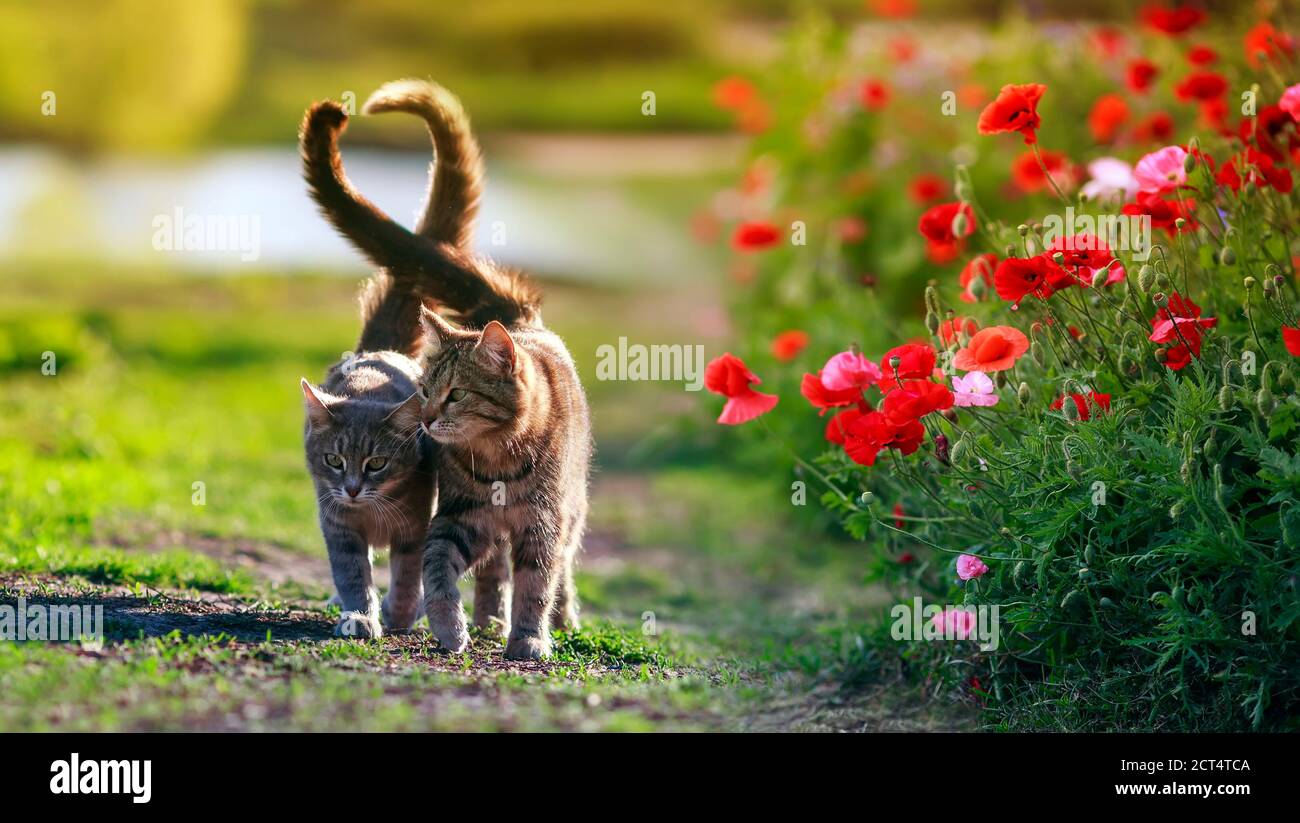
(504,406)
(372,468)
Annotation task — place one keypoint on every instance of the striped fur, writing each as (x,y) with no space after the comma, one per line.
(510,416)
(368,407)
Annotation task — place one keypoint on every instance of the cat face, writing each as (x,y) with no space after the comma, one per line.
(360,452)
(471,385)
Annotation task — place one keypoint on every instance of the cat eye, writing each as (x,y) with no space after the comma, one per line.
(334,461)
(456,395)
(375,464)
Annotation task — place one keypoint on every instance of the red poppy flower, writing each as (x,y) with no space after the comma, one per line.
(1083,254)
(1028,174)
(1214,115)
(1273,130)
(902,49)
(936,225)
(1164,214)
(1179,323)
(838,426)
(1291,339)
(1172,21)
(733,93)
(787,345)
(996,348)
(894,9)
(1015,109)
(1255,167)
(1141,74)
(1017,277)
(874,94)
(915,361)
(951,330)
(1081,403)
(1202,55)
(1107,115)
(981,266)
(728,376)
(1265,43)
(898,516)
(1108,41)
(1158,128)
(926,188)
(1202,86)
(755,236)
(915,399)
(823,398)
(873,432)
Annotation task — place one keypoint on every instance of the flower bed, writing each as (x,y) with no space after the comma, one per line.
(1091,423)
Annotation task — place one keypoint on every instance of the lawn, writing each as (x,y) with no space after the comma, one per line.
(158,472)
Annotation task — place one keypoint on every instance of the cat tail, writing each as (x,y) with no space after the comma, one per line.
(456,173)
(417,268)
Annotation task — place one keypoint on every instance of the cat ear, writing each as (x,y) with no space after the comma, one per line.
(496,349)
(317,403)
(437,332)
(406,415)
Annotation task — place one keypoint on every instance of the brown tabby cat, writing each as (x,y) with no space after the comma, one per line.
(503,402)
(373,471)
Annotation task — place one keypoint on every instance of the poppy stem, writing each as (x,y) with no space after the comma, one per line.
(1050,179)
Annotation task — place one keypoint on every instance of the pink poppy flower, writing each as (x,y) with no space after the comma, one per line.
(1290,102)
(975,389)
(1161,171)
(1110,176)
(969,567)
(849,370)
(955,622)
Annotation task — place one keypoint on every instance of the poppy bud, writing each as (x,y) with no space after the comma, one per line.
(960,449)
(1146,277)
(932,322)
(1099,279)
(1019,575)
(1058,258)
(895,362)
(1270,289)
(1180,223)
(1290,520)
(960,224)
(1210,446)
(1023,395)
(866,498)
(978,288)
(1220,493)
(1265,402)
(932,299)
(1226,399)
(1022,230)
(1074,602)
(1189,163)
(1185,471)
(1070,410)
(1160,299)
(1194,144)
(941,448)
(1162,281)
(1036,353)
(1107,603)
(1010,251)
(1090,554)
(1176,510)
(1249,283)
(1227,256)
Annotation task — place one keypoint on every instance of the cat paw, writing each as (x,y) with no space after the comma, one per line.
(358,625)
(447,622)
(528,648)
(399,620)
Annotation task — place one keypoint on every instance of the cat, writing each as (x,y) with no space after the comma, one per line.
(502,403)
(372,468)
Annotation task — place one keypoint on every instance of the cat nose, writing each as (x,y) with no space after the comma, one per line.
(429,415)
(352,491)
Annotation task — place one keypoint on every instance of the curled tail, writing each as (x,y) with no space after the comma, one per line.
(456,173)
(417,267)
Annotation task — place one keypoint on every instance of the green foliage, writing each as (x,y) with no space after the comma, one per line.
(1144,559)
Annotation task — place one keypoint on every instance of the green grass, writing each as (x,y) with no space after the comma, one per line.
(696,587)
